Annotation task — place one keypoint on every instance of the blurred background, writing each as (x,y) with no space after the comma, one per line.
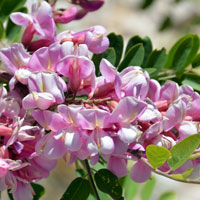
(164,21)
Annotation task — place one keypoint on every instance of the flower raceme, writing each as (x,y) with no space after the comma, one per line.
(56,106)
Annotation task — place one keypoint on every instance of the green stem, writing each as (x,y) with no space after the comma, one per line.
(91,180)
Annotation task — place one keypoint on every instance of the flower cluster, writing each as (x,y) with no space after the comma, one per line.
(55,105)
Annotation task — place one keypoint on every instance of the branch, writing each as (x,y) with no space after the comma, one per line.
(166,175)
(91,179)
(88,101)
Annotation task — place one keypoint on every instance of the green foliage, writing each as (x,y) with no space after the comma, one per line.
(146,3)
(131,188)
(148,188)
(79,189)
(183,176)
(156,155)
(1,30)
(9,6)
(117,42)
(168,196)
(134,57)
(12,30)
(196,61)
(146,42)
(107,182)
(109,54)
(182,53)
(157,60)
(182,150)
(166,23)
(193,80)
(10,195)
(38,190)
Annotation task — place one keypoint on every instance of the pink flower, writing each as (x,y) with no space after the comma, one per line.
(127,111)
(46,89)
(135,82)
(14,58)
(95,121)
(94,38)
(65,16)
(109,84)
(4,166)
(80,72)
(140,172)
(40,22)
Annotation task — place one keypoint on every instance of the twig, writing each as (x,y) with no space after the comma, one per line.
(167,77)
(88,101)
(166,175)
(91,179)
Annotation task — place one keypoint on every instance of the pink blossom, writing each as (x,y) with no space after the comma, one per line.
(40,22)
(94,37)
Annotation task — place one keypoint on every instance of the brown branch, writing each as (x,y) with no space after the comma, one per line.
(87,101)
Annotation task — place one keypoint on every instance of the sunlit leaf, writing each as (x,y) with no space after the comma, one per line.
(182,150)
(183,175)
(156,155)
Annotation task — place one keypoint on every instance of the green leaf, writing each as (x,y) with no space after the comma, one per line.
(156,155)
(148,188)
(193,80)
(194,50)
(1,30)
(109,54)
(184,175)
(12,30)
(107,182)
(80,172)
(8,6)
(168,196)
(182,53)
(157,60)
(196,61)
(146,44)
(10,195)
(117,42)
(131,188)
(146,3)
(102,196)
(166,23)
(182,150)
(150,70)
(134,57)
(39,191)
(79,189)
